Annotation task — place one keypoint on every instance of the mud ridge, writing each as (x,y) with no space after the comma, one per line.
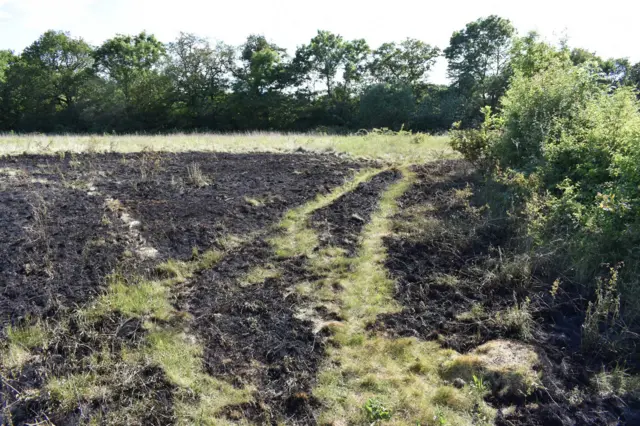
(340,223)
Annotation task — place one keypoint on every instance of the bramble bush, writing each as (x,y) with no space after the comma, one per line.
(568,147)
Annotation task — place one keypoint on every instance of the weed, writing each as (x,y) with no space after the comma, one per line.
(259,274)
(451,397)
(554,288)
(603,311)
(517,319)
(375,410)
(479,385)
(195,176)
(476,313)
(30,337)
(254,202)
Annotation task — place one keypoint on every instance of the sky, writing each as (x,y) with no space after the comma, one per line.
(610,31)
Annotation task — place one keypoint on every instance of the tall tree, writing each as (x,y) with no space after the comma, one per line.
(6,56)
(530,55)
(634,75)
(199,73)
(47,81)
(478,59)
(355,63)
(263,65)
(406,63)
(325,54)
(128,60)
(258,101)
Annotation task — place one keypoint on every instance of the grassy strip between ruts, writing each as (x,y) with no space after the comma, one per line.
(197,397)
(369,377)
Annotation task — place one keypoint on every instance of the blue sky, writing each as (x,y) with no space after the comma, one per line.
(608,30)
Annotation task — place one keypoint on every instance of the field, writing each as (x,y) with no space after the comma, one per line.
(276,279)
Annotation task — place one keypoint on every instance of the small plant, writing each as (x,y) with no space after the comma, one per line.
(479,385)
(195,176)
(602,313)
(440,417)
(376,411)
(518,319)
(554,288)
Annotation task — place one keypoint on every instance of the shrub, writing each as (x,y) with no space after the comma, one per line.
(566,149)
(475,144)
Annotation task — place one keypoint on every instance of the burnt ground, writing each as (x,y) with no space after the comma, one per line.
(467,264)
(340,223)
(62,236)
(59,240)
(251,332)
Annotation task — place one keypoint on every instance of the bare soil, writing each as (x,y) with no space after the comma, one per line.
(60,239)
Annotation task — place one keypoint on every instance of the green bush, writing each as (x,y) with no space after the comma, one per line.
(567,148)
(475,144)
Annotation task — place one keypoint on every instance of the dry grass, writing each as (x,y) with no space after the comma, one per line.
(397,148)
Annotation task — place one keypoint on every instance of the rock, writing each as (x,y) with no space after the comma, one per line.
(459,383)
(358,218)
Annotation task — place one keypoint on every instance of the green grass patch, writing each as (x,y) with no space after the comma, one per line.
(20,342)
(134,298)
(260,274)
(370,377)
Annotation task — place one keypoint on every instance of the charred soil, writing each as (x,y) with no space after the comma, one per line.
(462,282)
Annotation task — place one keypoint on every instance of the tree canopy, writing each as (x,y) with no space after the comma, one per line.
(60,83)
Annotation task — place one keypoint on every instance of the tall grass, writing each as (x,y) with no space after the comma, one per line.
(391,147)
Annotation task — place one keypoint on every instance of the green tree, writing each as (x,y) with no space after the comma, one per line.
(199,76)
(258,101)
(129,60)
(132,64)
(407,63)
(263,66)
(634,75)
(324,55)
(355,63)
(478,59)
(47,80)
(438,109)
(530,55)
(386,105)
(6,57)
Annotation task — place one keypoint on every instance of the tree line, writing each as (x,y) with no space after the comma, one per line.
(135,83)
